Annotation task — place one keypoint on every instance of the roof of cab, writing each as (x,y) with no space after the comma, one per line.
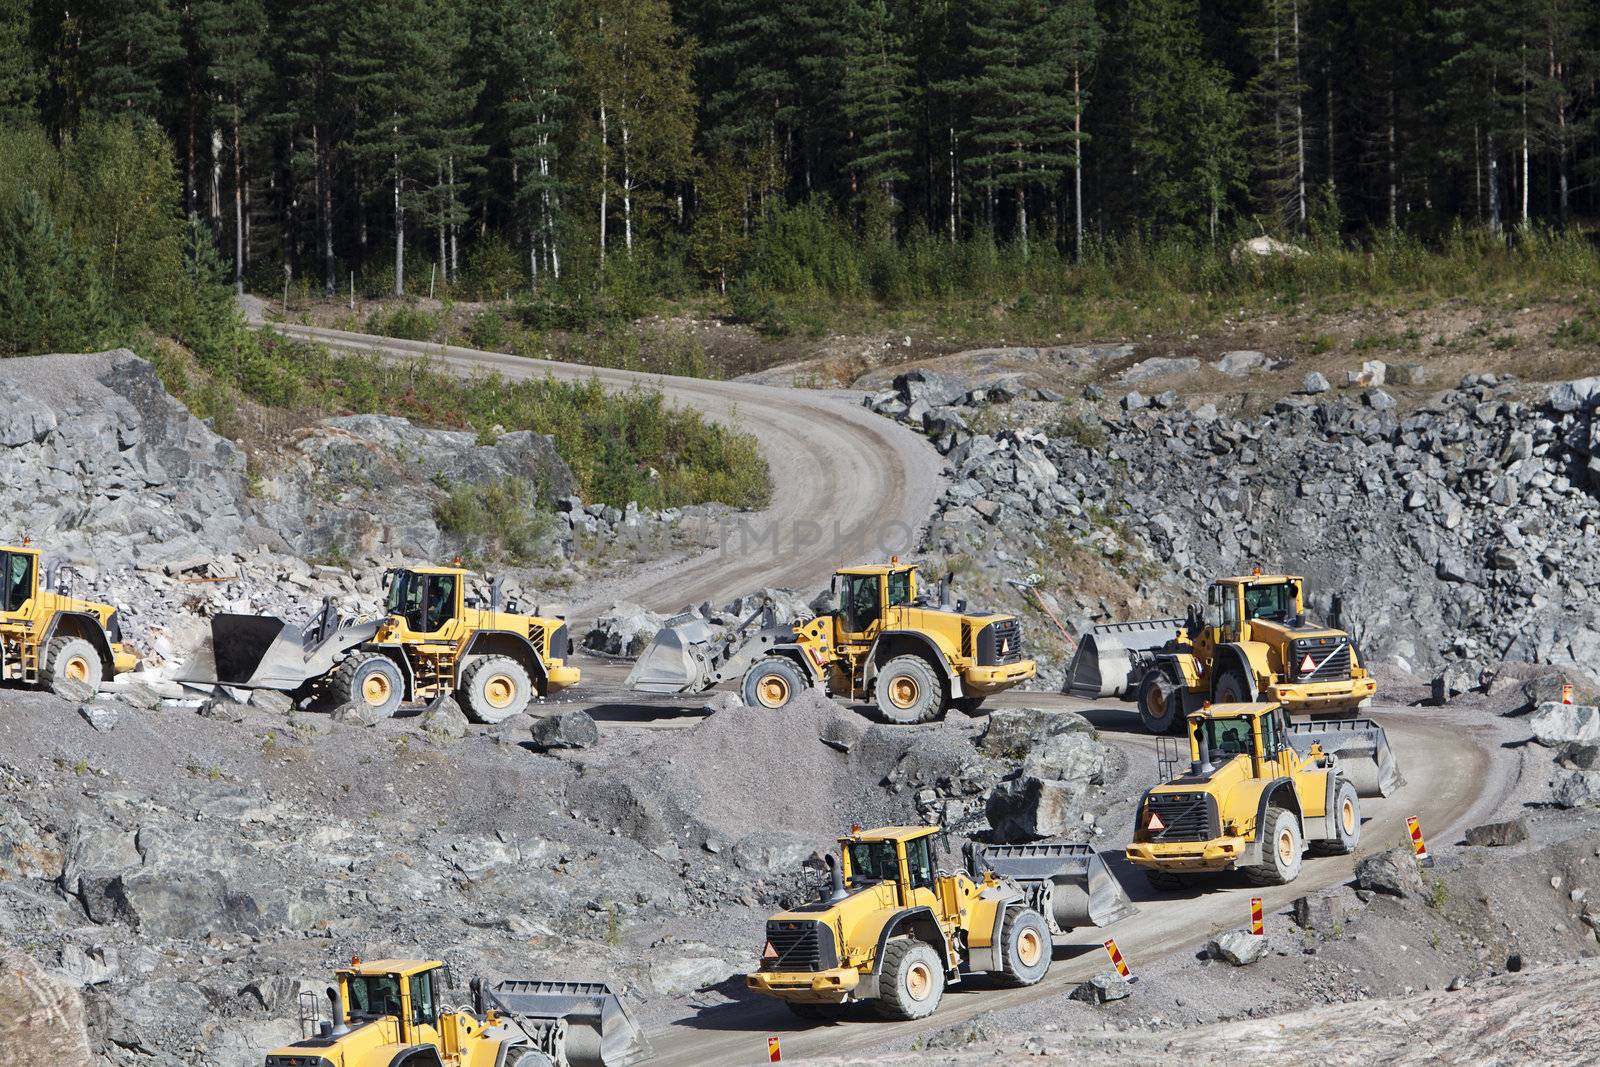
(1235,711)
(405,968)
(1259,579)
(891,833)
(878,568)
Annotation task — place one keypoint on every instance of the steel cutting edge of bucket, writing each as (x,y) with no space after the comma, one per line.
(1361,749)
(1071,884)
(1112,658)
(675,662)
(600,1032)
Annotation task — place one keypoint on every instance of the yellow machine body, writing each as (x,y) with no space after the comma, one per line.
(47,635)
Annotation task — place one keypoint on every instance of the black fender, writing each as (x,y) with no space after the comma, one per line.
(892,643)
(797,654)
(396,652)
(513,645)
(84,625)
(1232,657)
(417,1056)
(919,923)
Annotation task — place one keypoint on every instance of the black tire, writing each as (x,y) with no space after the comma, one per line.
(371,681)
(1165,881)
(72,659)
(1282,848)
(968,705)
(908,690)
(1231,688)
(773,683)
(1024,947)
(1160,703)
(493,689)
(1344,822)
(816,1013)
(910,980)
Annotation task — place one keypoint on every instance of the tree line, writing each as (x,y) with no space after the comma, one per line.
(508,145)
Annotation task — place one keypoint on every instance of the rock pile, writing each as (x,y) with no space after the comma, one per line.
(1474,515)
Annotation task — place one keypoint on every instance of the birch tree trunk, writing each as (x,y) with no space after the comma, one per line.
(238,207)
(399,234)
(604,182)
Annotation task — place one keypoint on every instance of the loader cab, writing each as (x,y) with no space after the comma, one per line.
(19,578)
(900,855)
(1234,603)
(1258,731)
(866,594)
(426,599)
(407,991)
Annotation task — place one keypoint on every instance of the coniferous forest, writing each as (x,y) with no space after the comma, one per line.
(599,153)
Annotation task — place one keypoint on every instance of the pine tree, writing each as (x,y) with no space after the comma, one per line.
(530,107)
(1022,115)
(51,300)
(133,48)
(20,76)
(633,71)
(1277,94)
(749,82)
(875,101)
(230,34)
(1078,34)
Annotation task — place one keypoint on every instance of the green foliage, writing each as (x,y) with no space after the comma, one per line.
(500,522)
(403,321)
(51,299)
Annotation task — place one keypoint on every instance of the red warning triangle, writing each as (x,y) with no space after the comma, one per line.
(1307,665)
(1155,825)
(769,953)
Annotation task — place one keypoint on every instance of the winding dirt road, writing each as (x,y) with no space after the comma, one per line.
(847,485)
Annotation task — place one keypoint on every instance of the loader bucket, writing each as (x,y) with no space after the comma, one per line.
(1361,750)
(584,1020)
(676,661)
(1112,658)
(1070,885)
(264,652)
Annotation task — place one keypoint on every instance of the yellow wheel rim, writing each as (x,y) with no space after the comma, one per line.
(1286,847)
(78,669)
(919,980)
(1347,814)
(500,691)
(375,689)
(1029,947)
(903,691)
(773,691)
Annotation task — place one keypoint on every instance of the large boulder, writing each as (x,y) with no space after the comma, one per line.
(1555,724)
(1578,789)
(1237,947)
(24,421)
(1060,761)
(565,729)
(1498,834)
(1576,395)
(930,388)
(41,1015)
(624,630)
(1394,872)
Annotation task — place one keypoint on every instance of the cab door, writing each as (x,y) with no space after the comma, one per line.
(422,1011)
(19,581)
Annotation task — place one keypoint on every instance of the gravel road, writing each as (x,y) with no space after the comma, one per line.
(1451,778)
(847,485)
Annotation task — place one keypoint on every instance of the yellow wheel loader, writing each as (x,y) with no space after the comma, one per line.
(894,931)
(433,641)
(1251,642)
(391,1013)
(47,636)
(914,658)
(1253,791)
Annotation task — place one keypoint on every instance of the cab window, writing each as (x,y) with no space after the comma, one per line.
(860,601)
(441,601)
(372,995)
(1230,609)
(873,861)
(1274,602)
(1229,737)
(1270,741)
(899,588)
(422,1010)
(16,580)
(919,862)
(425,601)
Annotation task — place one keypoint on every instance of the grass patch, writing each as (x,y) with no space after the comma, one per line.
(499,522)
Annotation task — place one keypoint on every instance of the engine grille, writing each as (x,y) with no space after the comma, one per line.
(800,946)
(1185,816)
(1330,659)
(1000,643)
(560,644)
